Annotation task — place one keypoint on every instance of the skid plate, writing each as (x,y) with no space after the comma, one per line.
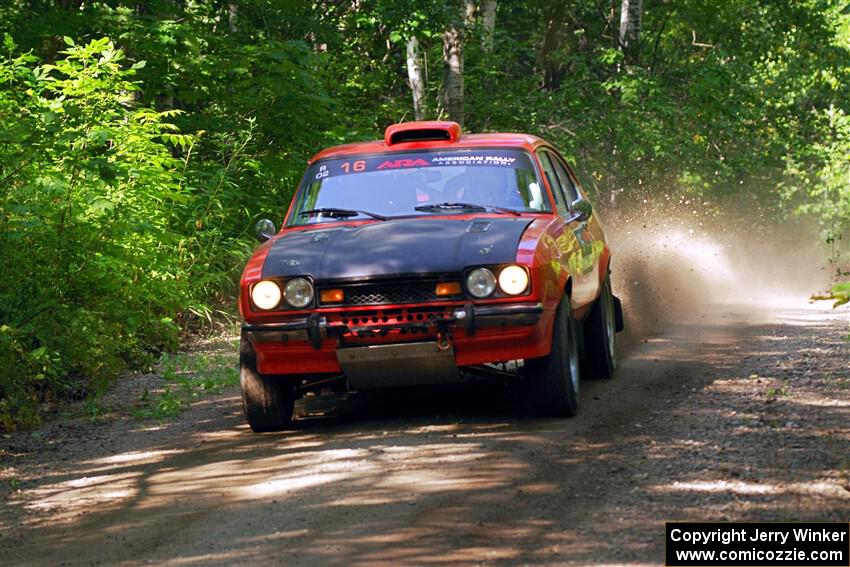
(396,365)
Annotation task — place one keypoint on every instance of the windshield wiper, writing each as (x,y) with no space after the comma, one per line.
(334,212)
(437,207)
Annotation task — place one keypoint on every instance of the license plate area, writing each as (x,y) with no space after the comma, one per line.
(398,365)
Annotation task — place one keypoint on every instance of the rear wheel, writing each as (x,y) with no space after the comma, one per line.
(268,401)
(600,334)
(554,379)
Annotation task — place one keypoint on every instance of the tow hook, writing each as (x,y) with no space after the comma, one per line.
(443,341)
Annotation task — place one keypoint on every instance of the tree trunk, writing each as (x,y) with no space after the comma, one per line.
(414,75)
(488,17)
(453,72)
(630,23)
(469,12)
(453,63)
(232,17)
(552,67)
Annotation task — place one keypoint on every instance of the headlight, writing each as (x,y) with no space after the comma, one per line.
(266,294)
(481,282)
(298,292)
(513,280)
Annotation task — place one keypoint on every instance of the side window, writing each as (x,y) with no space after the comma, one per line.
(576,183)
(566,181)
(552,178)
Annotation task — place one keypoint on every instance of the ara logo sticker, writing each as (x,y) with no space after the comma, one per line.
(398,163)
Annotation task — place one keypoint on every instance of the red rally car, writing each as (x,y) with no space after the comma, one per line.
(422,258)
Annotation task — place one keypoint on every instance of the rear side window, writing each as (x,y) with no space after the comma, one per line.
(554,182)
(567,184)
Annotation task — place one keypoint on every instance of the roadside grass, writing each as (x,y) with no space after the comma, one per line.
(10,484)
(188,377)
(773,393)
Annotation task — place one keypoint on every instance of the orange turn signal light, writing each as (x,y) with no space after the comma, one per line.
(331,296)
(445,289)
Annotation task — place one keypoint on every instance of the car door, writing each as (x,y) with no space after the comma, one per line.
(567,231)
(583,260)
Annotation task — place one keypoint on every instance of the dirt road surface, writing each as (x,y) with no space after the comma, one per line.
(743,418)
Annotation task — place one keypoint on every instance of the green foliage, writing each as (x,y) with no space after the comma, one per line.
(188,377)
(840,293)
(84,226)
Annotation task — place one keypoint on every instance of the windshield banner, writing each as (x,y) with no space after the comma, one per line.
(466,158)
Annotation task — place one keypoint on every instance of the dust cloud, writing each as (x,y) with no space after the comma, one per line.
(689,261)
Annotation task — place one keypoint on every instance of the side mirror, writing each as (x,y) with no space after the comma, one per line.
(264,229)
(582,209)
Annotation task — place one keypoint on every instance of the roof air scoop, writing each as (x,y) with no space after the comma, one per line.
(427,131)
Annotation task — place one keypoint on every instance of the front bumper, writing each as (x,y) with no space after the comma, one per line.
(315,328)
(478,334)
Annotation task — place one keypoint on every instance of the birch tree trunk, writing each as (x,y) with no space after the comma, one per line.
(453,72)
(630,24)
(453,63)
(469,9)
(488,17)
(414,76)
(232,17)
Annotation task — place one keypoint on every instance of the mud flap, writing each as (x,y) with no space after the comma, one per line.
(618,315)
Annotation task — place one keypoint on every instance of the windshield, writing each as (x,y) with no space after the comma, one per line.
(419,184)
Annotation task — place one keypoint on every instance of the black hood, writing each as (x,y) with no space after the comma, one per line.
(396,247)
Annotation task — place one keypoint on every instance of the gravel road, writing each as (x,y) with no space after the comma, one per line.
(743,418)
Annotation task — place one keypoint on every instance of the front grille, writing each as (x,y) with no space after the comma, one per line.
(387,293)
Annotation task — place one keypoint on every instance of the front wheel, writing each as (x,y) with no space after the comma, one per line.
(268,401)
(600,332)
(554,379)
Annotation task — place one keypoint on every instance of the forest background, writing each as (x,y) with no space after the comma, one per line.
(140,141)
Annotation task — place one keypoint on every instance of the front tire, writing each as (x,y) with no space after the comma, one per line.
(600,333)
(554,379)
(268,401)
